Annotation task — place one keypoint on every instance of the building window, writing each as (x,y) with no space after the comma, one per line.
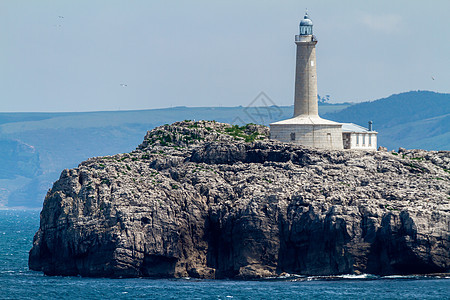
(370,139)
(357,139)
(364,139)
(292,136)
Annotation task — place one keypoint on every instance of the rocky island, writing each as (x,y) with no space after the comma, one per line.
(211,200)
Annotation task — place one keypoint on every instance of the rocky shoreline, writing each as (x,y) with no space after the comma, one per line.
(210,200)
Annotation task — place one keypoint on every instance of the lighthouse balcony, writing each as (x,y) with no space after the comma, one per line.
(305,38)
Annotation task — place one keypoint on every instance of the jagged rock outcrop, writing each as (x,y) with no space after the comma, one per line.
(208,200)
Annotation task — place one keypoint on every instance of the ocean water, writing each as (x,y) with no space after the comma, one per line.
(17,282)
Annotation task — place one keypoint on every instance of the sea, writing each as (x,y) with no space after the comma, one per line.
(17,228)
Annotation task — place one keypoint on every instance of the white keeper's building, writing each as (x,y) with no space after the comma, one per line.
(358,137)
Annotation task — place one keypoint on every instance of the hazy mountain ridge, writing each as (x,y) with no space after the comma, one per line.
(55,141)
(62,140)
(413,120)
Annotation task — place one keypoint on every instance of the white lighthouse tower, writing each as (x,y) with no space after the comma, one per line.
(306,127)
(305,75)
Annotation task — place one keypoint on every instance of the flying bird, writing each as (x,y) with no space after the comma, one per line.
(61,17)
(123,85)
(432,77)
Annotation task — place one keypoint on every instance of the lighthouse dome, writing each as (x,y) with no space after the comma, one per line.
(306,21)
(306,26)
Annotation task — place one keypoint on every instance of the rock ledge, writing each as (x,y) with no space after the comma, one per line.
(211,200)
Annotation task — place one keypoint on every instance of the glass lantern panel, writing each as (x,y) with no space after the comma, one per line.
(305,30)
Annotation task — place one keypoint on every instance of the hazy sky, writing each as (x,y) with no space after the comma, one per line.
(137,54)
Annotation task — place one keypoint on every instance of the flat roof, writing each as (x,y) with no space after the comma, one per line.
(351,127)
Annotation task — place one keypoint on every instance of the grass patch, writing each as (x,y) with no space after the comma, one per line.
(416,167)
(239,132)
(390,208)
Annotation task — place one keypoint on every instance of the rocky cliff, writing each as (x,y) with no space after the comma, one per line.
(211,200)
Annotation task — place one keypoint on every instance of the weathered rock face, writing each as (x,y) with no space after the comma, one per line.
(204,199)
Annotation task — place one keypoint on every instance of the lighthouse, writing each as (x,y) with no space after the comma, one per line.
(306,127)
(305,102)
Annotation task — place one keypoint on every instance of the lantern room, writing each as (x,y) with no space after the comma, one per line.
(306,26)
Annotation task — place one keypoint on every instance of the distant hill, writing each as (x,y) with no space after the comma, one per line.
(36,147)
(413,120)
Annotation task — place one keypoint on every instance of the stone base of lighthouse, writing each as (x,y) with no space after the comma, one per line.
(310,131)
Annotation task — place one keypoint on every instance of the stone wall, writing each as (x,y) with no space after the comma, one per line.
(362,142)
(317,136)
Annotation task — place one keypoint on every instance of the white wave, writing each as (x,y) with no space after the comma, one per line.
(357,276)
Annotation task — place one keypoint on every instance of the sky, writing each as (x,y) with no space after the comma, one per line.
(91,55)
